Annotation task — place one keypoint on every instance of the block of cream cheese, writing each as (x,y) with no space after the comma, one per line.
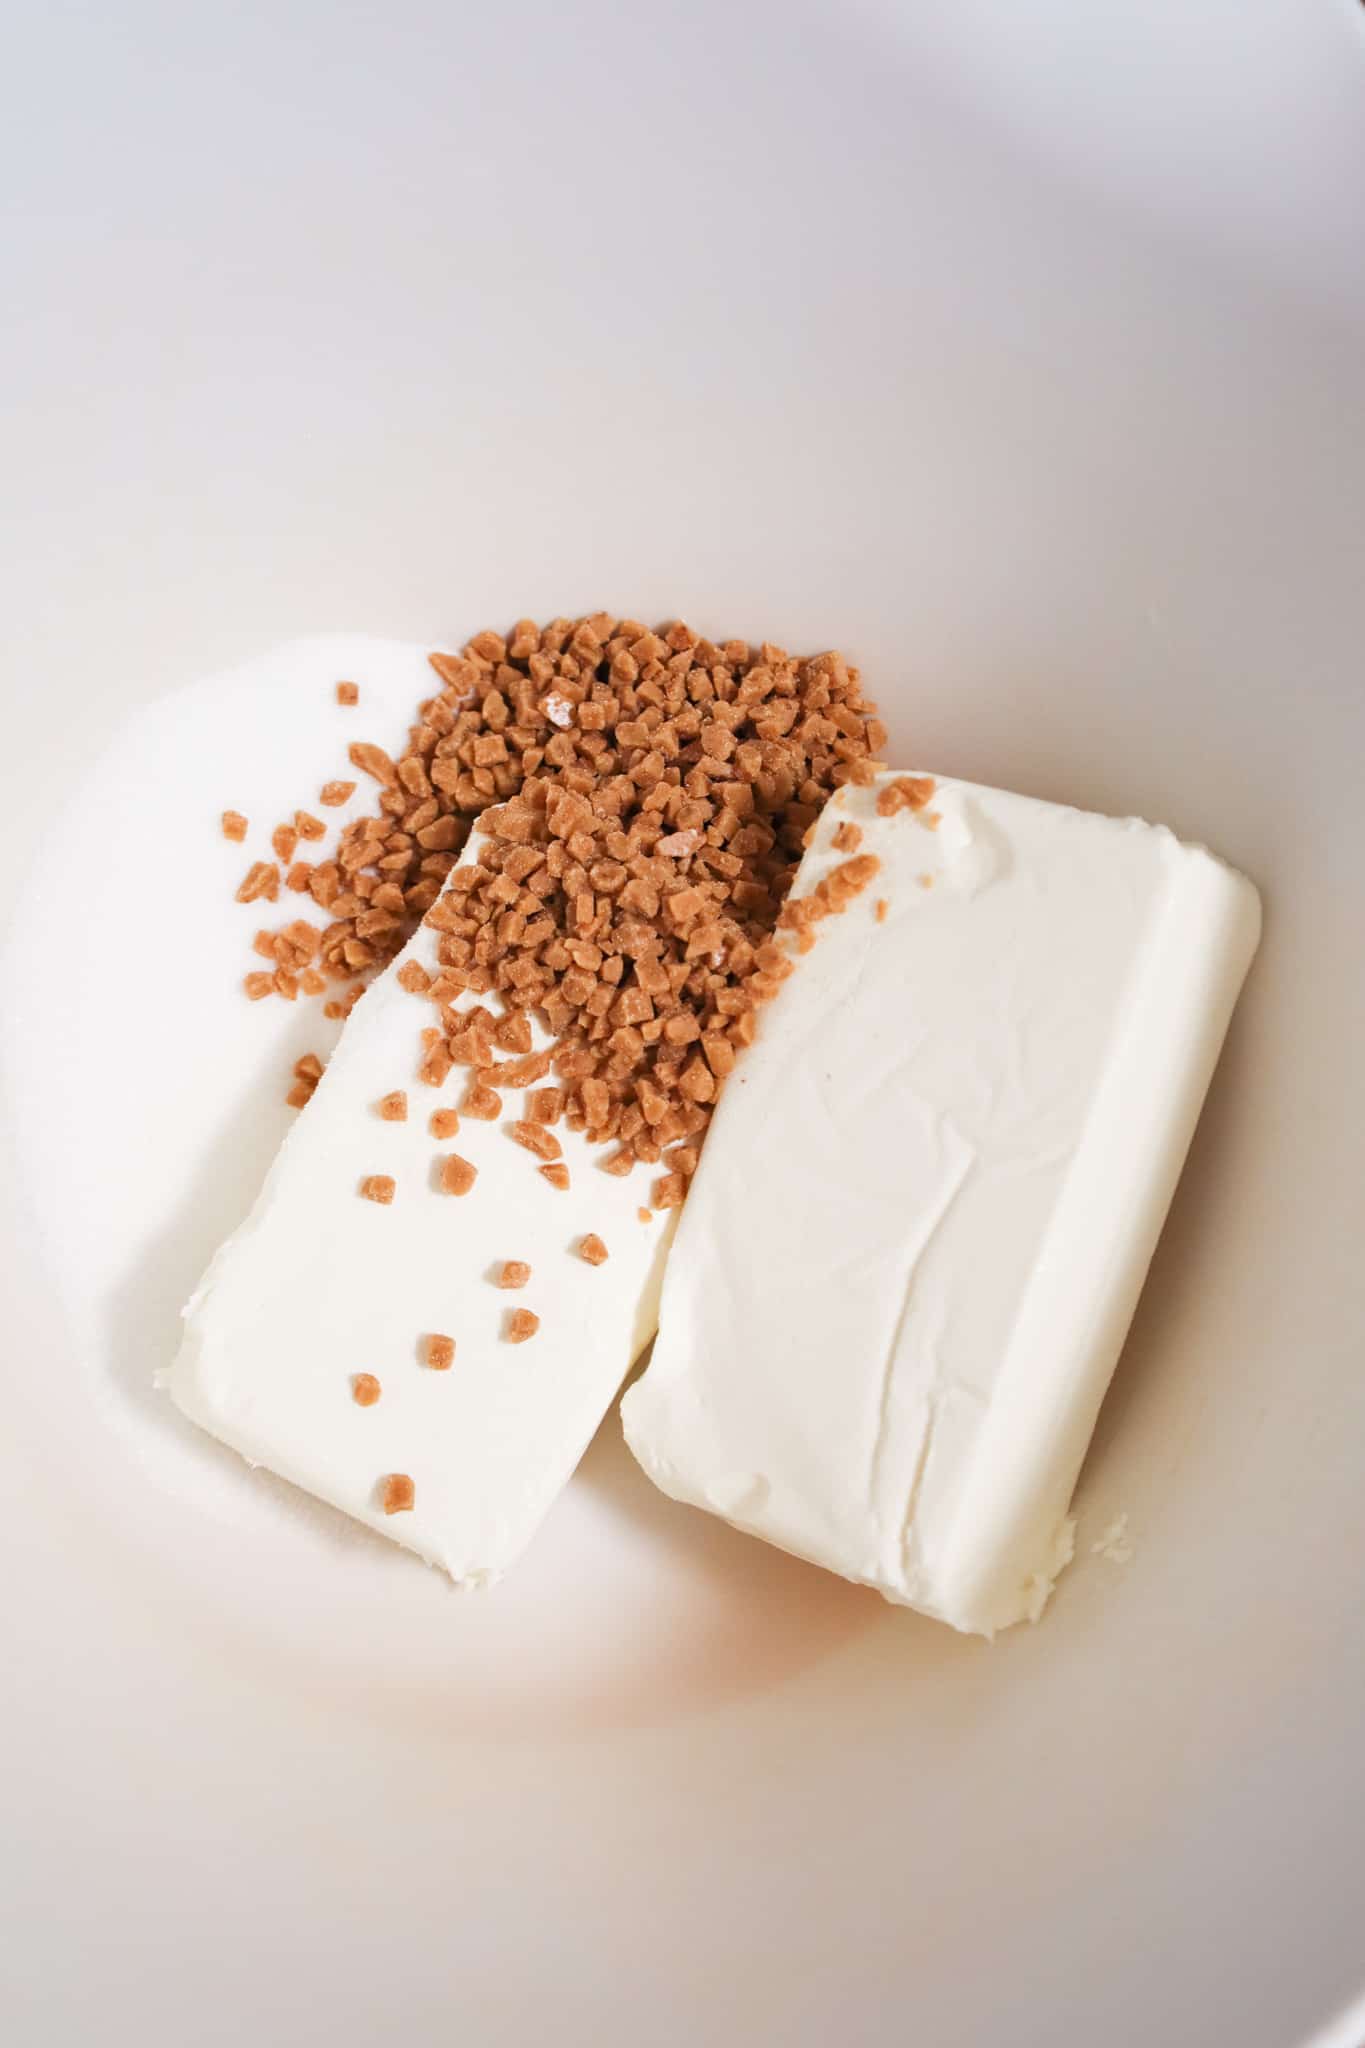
(320,1285)
(931,1191)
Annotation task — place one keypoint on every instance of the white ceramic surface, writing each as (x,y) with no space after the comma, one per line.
(1025,364)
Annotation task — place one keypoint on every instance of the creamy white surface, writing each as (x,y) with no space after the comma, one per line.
(931,1192)
(319,1284)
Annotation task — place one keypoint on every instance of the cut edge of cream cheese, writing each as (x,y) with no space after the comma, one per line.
(975,1094)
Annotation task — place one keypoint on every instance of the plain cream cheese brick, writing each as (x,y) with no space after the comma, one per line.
(319,1284)
(931,1191)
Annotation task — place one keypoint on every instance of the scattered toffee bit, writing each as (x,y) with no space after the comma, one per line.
(906,793)
(645,1215)
(831,895)
(333,794)
(258,985)
(536,1138)
(378,1187)
(262,878)
(372,760)
(234,826)
(521,1324)
(284,839)
(439,1353)
(848,837)
(513,1273)
(308,1068)
(299,1096)
(556,1175)
(668,1192)
(348,693)
(545,1105)
(309,827)
(365,1389)
(393,1107)
(457,1175)
(444,1123)
(396,1493)
(593,1250)
(880,909)
(481,1102)
(311,982)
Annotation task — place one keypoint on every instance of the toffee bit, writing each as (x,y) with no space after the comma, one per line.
(537,1138)
(393,1107)
(365,1389)
(347,693)
(556,1175)
(234,826)
(262,879)
(521,1324)
(592,1249)
(439,1353)
(334,794)
(309,827)
(372,761)
(906,793)
(481,1102)
(644,1215)
(299,1096)
(513,1273)
(397,1493)
(378,1187)
(880,909)
(457,1175)
(258,985)
(848,837)
(444,1123)
(284,839)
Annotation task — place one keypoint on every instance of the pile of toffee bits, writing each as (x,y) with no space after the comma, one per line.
(643,800)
